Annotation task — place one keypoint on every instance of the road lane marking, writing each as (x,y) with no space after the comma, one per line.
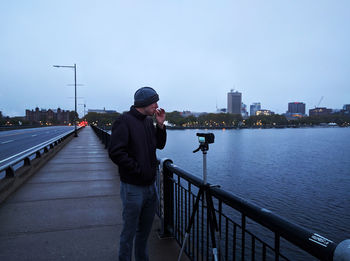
(18,133)
(32,148)
(27,131)
(8,141)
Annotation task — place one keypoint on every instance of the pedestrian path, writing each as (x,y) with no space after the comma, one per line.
(71,210)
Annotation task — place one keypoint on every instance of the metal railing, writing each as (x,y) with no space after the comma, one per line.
(273,238)
(103,135)
(246,231)
(28,155)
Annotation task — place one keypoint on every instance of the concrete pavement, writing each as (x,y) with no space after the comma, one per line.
(71,210)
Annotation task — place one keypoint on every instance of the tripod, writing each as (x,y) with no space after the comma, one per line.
(205,194)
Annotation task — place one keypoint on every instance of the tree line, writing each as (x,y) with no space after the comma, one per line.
(208,120)
(222,120)
(225,120)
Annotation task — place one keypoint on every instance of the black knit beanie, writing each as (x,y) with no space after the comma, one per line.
(145,96)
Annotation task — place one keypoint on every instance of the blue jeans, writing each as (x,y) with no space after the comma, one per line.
(139,207)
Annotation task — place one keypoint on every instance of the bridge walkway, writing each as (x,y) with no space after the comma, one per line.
(71,210)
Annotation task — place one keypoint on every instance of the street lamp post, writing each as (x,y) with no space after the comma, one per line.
(75,91)
(84,107)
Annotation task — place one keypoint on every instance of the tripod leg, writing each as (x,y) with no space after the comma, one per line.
(216,226)
(213,216)
(188,229)
(212,223)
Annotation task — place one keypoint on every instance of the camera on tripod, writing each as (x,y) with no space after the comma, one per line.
(204,192)
(206,138)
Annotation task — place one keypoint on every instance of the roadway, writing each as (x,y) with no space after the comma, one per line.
(15,143)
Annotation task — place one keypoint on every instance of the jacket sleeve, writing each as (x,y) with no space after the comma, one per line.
(161,137)
(118,147)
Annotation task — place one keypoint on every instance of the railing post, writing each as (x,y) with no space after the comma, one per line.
(10,173)
(106,139)
(27,161)
(166,200)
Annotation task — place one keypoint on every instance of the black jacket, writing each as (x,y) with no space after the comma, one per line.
(133,145)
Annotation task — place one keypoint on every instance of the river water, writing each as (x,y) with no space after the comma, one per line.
(301,174)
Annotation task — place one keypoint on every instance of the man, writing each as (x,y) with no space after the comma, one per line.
(133,145)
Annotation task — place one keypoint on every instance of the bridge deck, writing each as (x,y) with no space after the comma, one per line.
(71,210)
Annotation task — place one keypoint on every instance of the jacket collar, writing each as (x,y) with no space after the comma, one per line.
(137,114)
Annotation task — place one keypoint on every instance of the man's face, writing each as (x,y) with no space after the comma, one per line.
(150,110)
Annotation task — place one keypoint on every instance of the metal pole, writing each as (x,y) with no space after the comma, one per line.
(75,91)
(75,114)
(205,167)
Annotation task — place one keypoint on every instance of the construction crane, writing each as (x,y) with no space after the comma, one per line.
(318,104)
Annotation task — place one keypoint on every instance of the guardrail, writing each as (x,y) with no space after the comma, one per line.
(26,162)
(103,135)
(274,237)
(236,220)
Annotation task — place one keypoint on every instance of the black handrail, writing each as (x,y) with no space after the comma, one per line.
(312,243)
(102,134)
(306,240)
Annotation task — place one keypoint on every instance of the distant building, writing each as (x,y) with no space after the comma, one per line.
(186,113)
(0,114)
(264,112)
(53,116)
(296,110)
(190,113)
(296,107)
(346,109)
(222,110)
(320,111)
(256,106)
(244,111)
(234,102)
(293,116)
(62,116)
(101,111)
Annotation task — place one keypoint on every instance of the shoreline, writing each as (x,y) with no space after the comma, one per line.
(258,127)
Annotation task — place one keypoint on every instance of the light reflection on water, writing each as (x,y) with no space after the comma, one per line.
(300,174)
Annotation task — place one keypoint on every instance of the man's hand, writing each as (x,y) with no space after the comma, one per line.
(160,117)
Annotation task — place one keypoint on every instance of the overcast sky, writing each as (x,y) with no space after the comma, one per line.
(191,52)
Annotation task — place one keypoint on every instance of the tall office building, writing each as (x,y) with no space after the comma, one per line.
(256,106)
(296,107)
(234,102)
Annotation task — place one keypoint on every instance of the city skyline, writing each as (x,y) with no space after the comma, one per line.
(192,53)
(216,111)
